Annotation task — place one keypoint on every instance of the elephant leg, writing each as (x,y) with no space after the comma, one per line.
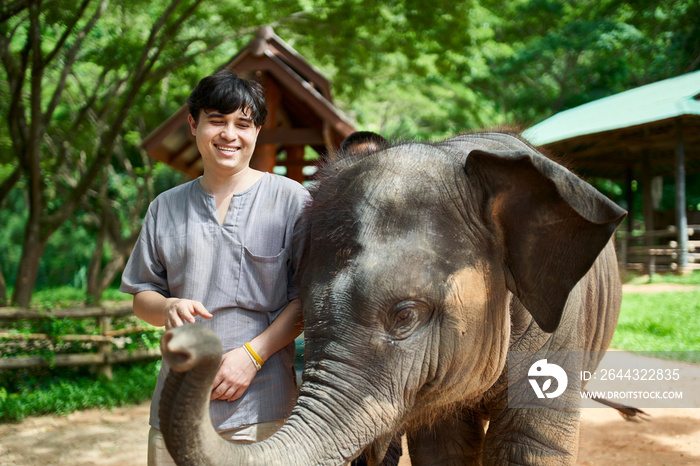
(535,436)
(456,440)
(384,451)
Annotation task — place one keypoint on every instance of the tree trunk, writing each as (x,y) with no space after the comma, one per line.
(33,249)
(94,291)
(3,291)
(101,277)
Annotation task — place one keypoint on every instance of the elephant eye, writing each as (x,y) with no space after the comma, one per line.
(406,317)
(403,315)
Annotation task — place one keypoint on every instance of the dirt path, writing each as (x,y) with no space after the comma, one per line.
(91,437)
(658,288)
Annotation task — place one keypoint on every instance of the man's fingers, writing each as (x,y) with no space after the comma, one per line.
(201,310)
(184,310)
(225,393)
(173,321)
(237,394)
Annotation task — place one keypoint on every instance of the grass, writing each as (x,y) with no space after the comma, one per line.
(131,384)
(661,322)
(62,390)
(68,296)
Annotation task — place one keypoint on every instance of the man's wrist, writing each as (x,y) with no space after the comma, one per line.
(254,357)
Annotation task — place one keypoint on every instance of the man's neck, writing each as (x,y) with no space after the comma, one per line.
(222,186)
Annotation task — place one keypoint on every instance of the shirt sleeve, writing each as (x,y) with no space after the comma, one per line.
(144,270)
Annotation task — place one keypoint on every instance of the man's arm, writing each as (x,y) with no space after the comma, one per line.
(156,309)
(237,371)
(281,332)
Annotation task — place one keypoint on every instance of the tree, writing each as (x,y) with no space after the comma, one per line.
(75,74)
(558,54)
(403,69)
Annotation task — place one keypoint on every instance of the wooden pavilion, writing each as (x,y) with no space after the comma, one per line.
(300,114)
(641,134)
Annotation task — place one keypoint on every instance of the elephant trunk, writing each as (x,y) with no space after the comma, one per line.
(323,428)
(194,357)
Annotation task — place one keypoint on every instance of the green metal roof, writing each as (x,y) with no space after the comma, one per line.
(662,100)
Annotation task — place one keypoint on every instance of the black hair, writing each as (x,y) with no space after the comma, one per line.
(225,92)
(358,138)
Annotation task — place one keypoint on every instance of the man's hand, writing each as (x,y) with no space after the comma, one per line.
(235,374)
(178,311)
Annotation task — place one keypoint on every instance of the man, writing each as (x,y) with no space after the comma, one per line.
(221,251)
(363,143)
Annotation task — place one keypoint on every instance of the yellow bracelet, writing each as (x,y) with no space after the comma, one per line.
(252,352)
(252,359)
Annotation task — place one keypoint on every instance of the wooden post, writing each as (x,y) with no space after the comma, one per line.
(647,204)
(681,215)
(629,193)
(265,155)
(104,348)
(295,163)
(647,201)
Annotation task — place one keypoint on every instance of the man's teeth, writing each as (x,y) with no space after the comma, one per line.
(227,149)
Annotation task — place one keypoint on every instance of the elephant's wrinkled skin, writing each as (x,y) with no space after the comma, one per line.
(425,265)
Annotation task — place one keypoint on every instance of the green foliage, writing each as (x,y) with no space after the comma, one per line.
(56,328)
(408,70)
(692,197)
(399,68)
(40,390)
(563,54)
(72,390)
(660,322)
(70,249)
(69,296)
(13,216)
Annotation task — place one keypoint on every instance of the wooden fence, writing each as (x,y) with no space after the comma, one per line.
(108,341)
(657,250)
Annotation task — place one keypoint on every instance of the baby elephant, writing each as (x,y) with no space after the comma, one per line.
(427,265)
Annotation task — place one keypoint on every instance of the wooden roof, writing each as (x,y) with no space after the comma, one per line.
(300,113)
(606,137)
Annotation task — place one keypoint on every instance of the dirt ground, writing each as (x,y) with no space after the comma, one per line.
(670,436)
(118,437)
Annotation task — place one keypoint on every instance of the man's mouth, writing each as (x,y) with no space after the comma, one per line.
(227,149)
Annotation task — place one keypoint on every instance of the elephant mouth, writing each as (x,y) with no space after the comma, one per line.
(179,358)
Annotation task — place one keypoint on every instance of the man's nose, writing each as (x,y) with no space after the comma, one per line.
(229,132)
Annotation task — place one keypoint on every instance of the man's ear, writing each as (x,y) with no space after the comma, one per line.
(193,124)
(552,225)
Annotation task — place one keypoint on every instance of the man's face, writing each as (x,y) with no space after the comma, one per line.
(225,140)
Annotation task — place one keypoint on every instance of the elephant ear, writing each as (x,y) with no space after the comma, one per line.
(553,225)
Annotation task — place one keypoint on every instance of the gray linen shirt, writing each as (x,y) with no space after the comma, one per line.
(241,271)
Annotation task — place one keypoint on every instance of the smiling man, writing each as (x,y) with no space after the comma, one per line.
(221,251)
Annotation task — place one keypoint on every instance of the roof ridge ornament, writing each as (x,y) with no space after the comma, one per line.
(259,45)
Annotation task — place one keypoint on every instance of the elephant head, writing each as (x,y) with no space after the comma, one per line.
(414,259)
